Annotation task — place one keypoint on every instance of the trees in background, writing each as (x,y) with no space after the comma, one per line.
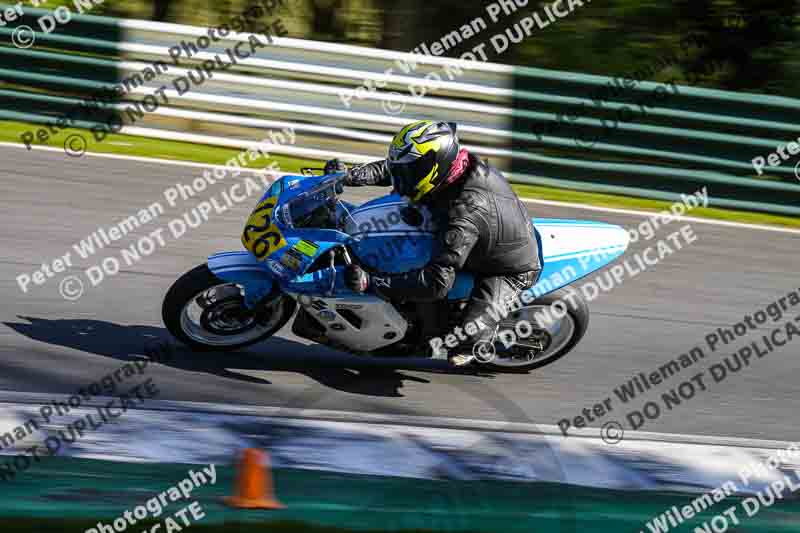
(751,45)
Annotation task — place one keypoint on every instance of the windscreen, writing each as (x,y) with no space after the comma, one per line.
(306,205)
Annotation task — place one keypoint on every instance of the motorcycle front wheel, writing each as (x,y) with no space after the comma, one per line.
(207,313)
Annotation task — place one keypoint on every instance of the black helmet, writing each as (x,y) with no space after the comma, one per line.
(421,156)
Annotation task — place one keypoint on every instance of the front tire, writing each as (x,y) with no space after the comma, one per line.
(560,337)
(207,313)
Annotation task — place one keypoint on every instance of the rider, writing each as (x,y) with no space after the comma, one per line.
(484,227)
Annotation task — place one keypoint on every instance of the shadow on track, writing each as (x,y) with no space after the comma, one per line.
(332,369)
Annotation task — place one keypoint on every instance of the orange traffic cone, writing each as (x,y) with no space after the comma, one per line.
(254,488)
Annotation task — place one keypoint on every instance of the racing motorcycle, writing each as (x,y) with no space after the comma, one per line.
(300,238)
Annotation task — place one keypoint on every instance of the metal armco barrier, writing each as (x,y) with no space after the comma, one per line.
(543,127)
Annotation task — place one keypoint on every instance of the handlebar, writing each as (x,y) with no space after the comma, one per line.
(309,171)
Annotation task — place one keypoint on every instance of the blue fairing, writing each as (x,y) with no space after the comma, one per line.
(384,243)
(573,249)
(381,240)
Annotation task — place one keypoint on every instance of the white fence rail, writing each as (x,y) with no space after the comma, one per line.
(301,84)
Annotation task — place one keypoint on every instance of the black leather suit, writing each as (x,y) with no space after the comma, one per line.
(484,229)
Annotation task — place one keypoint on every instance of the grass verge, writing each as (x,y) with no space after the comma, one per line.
(643,204)
(182,151)
(145,147)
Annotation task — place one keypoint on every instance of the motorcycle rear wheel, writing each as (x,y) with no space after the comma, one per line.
(557,338)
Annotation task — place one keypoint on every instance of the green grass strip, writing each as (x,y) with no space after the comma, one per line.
(183,151)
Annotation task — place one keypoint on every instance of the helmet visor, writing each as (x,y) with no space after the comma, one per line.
(406,175)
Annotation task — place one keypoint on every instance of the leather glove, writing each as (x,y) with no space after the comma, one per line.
(334,166)
(356,278)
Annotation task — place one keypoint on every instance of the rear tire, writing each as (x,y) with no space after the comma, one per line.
(224,323)
(578,313)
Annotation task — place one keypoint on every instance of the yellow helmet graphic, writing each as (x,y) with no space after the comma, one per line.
(420,157)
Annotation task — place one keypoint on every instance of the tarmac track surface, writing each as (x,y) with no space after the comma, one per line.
(51,345)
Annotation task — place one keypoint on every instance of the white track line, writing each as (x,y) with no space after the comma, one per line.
(152,160)
(28,398)
(650,214)
(552,203)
